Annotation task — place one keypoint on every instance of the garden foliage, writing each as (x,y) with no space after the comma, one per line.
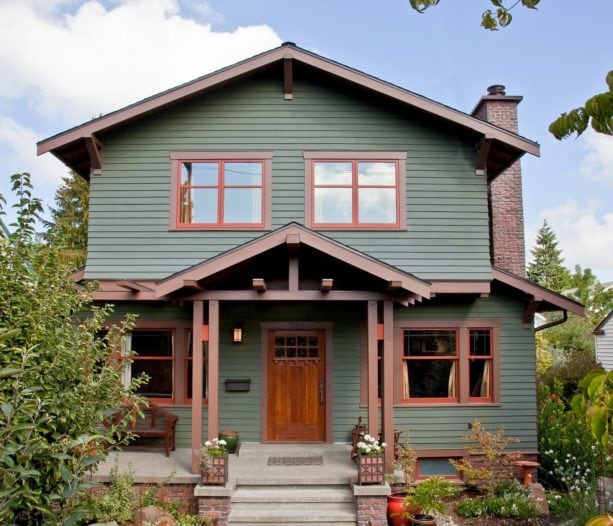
(58,376)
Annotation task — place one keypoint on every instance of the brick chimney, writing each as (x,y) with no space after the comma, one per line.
(505,192)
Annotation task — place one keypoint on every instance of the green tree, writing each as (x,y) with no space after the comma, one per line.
(547,267)
(67,229)
(585,288)
(597,111)
(58,375)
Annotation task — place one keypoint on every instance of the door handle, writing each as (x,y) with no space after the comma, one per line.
(321,390)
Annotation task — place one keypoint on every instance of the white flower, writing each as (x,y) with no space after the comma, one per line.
(383,444)
(208,443)
(368,438)
(222,442)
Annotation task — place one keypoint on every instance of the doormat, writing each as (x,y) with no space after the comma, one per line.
(295,461)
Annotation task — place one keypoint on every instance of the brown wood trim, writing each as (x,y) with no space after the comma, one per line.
(482,156)
(259,284)
(213,371)
(539,293)
(266,242)
(288,78)
(197,384)
(286,295)
(267,326)
(387,398)
(133,286)
(293,270)
(326,284)
(372,397)
(94,150)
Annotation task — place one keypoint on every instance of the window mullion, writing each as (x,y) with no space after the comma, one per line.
(464,352)
(221,167)
(355,204)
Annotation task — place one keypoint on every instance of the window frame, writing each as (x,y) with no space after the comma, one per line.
(177,158)
(180,352)
(398,158)
(463,327)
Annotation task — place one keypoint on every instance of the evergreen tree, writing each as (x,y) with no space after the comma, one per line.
(67,230)
(547,269)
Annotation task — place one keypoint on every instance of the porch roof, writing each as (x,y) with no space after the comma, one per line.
(293,235)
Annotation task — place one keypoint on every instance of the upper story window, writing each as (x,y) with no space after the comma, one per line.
(355,190)
(220,190)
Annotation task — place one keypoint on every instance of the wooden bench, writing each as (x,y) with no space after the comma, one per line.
(155,422)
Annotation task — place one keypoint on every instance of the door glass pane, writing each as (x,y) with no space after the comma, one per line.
(377,174)
(333,205)
(332,173)
(377,205)
(243,205)
(243,174)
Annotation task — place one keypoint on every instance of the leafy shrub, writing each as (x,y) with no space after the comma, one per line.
(509,500)
(568,369)
(490,463)
(116,503)
(570,455)
(429,495)
(574,506)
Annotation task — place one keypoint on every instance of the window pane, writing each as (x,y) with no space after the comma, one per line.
(332,173)
(377,205)
(431,378)
(160,377)
(242,205)
(199,205)
(430,343)
(203,174)
(480,343)
(243,174)
(377,174)
(333,205)
(480,374)
(152,343)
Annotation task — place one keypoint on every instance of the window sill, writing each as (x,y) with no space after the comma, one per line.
(400,405)
(218,228)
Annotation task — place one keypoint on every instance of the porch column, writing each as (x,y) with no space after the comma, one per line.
(372,377)
(213,371)
(197,395)
(387,394)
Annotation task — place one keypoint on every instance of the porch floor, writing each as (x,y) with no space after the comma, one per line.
(250,466)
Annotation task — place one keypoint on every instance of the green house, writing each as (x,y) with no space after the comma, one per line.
(304,244)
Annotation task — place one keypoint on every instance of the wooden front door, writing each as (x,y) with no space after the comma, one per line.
(296,386)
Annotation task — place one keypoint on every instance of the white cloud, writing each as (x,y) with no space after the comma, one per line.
(585,236)
(73,67)
(597,164)
(18,152)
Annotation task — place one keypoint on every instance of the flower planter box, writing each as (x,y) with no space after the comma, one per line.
(371,469)
(215,470)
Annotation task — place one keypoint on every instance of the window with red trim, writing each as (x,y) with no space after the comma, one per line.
(480,362)
(215,193)
(355,193)
(430,365)
(153,356)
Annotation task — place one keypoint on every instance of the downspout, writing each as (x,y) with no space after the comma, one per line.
(553,323)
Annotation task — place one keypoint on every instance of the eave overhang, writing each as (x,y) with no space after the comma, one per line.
(74,146)
(540,298)
(599,330)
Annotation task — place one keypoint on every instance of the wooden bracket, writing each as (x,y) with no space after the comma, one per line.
(94,149)
(529,310)
(133,286)
(259,284)
(192,284)
(326,284)
(483,150)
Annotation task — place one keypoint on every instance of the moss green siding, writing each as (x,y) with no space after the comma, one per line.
(447,217)
(431,427)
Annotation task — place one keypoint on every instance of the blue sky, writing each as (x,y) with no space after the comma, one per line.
(63,62)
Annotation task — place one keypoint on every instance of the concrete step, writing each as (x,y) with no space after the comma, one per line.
(294,504)
(294,450)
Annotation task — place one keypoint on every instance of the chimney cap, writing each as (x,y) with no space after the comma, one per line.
(496,89)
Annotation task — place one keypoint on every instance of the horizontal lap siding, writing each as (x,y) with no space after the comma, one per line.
(443,427)
(447,234)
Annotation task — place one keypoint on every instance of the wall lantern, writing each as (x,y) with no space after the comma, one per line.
(237,334)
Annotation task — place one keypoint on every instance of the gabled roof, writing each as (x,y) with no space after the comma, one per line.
(545,299)
(294,233)
(599,330)
(77,146)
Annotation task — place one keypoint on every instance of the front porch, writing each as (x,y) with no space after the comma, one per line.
(267,483)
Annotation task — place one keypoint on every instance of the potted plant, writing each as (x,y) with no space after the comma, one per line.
(429,497)
(397,513)
(370,459)
(214,462)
